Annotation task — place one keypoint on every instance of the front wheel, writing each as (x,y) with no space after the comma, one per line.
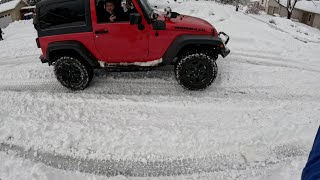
(73,73)
(196,71)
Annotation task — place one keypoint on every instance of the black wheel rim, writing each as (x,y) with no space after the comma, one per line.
(70,73)
(197,72)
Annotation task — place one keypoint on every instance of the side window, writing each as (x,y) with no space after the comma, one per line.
(113,11)
(64,14)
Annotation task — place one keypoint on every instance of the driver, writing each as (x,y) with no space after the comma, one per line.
(110,13)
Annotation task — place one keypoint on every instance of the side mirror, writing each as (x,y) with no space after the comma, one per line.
(168,11)
(135,18)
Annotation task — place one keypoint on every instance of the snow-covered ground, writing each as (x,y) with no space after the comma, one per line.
(257,121)
(297,30)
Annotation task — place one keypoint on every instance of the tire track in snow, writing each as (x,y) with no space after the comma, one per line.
(154,87)
(268,56)
(237,162)
(263,61)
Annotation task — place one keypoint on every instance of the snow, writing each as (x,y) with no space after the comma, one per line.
(142,64)
(12,168)
(9,5)
(29,7)
(309,6)
(295,29)
(257,121)
(27,14)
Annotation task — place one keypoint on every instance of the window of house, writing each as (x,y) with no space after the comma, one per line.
(64,14)
(310,16)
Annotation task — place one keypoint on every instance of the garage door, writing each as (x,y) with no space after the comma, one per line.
(5,21)
(276,10)
(270,10)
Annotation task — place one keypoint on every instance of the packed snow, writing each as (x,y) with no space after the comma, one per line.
(257,121)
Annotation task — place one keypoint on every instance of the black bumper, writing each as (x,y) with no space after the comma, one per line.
(224,50)
(42,59)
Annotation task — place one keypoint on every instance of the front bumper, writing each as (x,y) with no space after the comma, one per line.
(225,51)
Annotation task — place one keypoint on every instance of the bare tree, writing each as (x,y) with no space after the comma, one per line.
(290,6)
(237,5)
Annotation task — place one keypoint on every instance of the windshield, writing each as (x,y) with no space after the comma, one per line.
(146,6)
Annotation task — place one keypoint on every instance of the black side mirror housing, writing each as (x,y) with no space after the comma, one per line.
(135,18)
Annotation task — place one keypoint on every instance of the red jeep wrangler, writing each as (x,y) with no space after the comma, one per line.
(78,36)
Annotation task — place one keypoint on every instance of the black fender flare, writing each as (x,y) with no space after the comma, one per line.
(185,40)
(71,45)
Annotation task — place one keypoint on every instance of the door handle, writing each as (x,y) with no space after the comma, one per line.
(101,31)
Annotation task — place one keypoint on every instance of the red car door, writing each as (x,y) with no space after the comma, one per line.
(120,41)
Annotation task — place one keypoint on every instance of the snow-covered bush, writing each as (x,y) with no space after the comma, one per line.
(253,8)
(282,22)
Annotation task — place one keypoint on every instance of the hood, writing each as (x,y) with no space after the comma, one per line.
(189,23)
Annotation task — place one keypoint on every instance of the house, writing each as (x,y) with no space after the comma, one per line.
(10,11)
(264,4)
(307,12)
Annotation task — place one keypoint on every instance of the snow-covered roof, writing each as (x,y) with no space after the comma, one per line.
(27,14)
(9,5)
(309,6)
(29,7)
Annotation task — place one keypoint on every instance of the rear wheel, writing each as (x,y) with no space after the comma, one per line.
(73,73)
(196,70)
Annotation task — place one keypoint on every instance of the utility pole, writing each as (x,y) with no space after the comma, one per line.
(237,5)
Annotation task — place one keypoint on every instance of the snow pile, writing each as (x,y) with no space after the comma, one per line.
(282,22)
(298,32)
(19,40)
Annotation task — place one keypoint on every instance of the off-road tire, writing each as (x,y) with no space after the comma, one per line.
(196,70)
(73,73)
